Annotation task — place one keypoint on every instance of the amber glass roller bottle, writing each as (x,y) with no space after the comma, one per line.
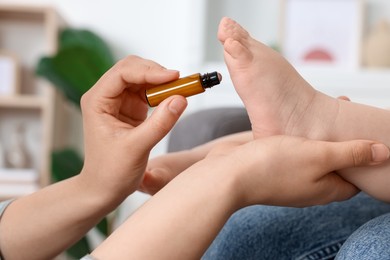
(187,86)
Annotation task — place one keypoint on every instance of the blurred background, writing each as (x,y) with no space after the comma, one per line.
(346,52)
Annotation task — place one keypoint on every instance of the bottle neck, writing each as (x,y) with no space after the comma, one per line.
(209,79)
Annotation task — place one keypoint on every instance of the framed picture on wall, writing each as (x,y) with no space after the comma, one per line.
(325,33)
(9,73)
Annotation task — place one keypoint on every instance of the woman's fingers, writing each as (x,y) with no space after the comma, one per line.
(162,120)
(341,155)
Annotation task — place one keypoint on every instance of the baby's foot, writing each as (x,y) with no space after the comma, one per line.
(162,169)
(277,98)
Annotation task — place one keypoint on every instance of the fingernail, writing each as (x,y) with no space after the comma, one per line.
(173,71)
(380,152)
(177,105)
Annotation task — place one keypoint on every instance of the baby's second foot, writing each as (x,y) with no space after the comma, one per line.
(162,169)
(277,98)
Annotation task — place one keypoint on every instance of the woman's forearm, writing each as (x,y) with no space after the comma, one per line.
(47,222)
(179,222)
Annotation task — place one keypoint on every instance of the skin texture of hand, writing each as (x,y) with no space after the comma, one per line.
(162,169)
(278,170)
(118,139)
(301,172)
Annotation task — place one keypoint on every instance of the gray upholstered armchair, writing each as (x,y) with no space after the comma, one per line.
(205,125)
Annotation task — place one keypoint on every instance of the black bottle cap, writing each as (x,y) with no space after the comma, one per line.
(210,79)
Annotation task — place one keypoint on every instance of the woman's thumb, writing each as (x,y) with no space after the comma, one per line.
(162,120)
(360,153)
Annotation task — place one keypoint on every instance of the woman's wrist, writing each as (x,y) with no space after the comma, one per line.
(98,196)
(224,180)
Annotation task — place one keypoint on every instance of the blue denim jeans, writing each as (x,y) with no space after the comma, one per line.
(370,241)
(266,232)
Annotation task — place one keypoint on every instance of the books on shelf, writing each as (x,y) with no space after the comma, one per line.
(18,182)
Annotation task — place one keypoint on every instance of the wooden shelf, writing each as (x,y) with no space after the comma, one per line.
(22,12)
(26,101)
(29,32)
(17,182)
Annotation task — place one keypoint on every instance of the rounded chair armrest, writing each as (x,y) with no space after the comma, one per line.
(203,126)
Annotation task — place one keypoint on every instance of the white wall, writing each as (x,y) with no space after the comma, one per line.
(176,33)
(157,30)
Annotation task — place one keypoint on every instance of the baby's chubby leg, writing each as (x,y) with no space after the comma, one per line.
(278,99)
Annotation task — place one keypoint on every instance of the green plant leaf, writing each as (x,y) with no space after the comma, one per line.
(47,69)
(81,60)
(103,227)
(70,37)
(80,249)
(65,163)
